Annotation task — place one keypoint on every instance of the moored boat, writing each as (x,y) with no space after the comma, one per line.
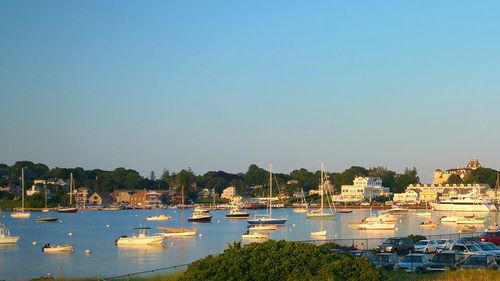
(397,211)
(236,213)
(5,237)
(200,217)
(471,220)
(448,219)
(47,219)
(158,218)
(377,226)
(428,224)
(263,227)
(254,236)
(22,214)
(318,233)
(47,248)
(321,213)
(143,238)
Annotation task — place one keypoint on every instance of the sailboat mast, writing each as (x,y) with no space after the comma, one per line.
(22,187)
(270,189)
(71,189)
(182,206)
(322,187)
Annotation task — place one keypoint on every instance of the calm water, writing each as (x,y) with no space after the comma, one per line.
(90,231)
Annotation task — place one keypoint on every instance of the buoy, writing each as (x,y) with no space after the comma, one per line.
(218,221)
(34,243)
(293,225)
(200,235)
(88,251)
(70,233)
(107,225)
(396,229)
(172,243)
(60,221)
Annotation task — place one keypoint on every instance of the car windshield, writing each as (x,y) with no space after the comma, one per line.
(474,248)
(443,258)
(473,260)
(488,246)
(391,241)
(412,259)
(441,241)
(422,242)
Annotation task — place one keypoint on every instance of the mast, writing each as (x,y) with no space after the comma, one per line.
(22,186)
(322,187)
(71,189)
(270,189)
(182,206)
(45,197)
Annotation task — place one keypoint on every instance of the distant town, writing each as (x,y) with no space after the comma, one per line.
(127,188)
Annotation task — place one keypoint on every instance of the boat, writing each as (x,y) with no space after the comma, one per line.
(46,219)
(467,228)
(158,218)
(200,217)
(303,205)
(423,214)
(5,237)
(178,232)
(268,218)
(22,214)
(397,210)
(321,213)
(69,209)
(254,236)
(448,219)
(47,248)
(263,227)
(380,225)
(471,220)
(236,213)
(45,210)
(143,238)
(428,224)
(464,203)
(201,209)
(318,233)
(384,217)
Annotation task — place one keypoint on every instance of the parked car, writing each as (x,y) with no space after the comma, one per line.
(491,249)
(444,260)
(426,246)
(398,245)
(386,260)
(467,249)
(412,263)
(490,236)
(479,262)
(363,254)
(444,244)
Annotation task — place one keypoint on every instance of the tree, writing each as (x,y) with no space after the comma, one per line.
(454,179)
(482,175)
(152,176)
(256,176)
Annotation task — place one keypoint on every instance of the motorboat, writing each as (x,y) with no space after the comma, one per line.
(397,211)
(200,217)
(200,209)
(143,238)
(254,236)
(381,217)
(428,224)
(465,203)
(46,219)
(236,213)
(47,248)
(377,226)
(448,219)
(471,220)
(263,227)
(158,218)
(5,237)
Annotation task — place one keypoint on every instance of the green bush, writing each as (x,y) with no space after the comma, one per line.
(280,260)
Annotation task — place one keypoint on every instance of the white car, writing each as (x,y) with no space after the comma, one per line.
(444,244)
(426,246)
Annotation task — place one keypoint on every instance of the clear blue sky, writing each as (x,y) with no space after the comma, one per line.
(218,85)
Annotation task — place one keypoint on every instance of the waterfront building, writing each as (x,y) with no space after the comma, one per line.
(410,196)
(82,196)
(100,199)
(363,189)
(122,196)
(441,177)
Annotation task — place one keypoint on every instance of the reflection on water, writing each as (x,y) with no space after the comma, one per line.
(97,231)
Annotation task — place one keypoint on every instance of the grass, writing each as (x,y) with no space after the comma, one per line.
(172,276)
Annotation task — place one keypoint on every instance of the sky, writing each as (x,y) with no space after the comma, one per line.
(219,85)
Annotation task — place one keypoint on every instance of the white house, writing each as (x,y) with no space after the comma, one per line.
(364,188)
(410,196)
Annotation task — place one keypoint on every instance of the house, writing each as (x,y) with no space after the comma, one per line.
(441,177)
(144,199)
(100,199)
(82,196)
(229,192)
(122,196)
(410,196)
(363,189)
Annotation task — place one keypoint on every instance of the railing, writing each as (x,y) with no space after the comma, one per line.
(152,274)
(359,243)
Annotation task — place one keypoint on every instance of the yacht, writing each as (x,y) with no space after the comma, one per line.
(200,217)
(143,238)
(5,237)
(464,203)
(158,218)
(236,213)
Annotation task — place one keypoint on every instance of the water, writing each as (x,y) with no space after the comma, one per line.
(90,231)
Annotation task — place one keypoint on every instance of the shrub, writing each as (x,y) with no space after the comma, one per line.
(280,260)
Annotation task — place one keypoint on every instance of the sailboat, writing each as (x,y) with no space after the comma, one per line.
(45,210)
(22,214)
(319,233)
(321,214)
(424,214)
(303,204)
(344,211)
(178,232)
(268,218)
(69,209)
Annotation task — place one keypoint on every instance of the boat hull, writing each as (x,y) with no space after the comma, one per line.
(158,218)
(58,249)
(266,221)
(9,240)
(20,215)
(472,207)
(46,219)
(204,219)
(150,240)
(67,210)
(178,234)
(237,216)
(324,216)
(319,233)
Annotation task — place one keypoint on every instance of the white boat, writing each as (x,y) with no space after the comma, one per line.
(143,238)
(377,226)
(302,205)
(57,249)
(200,209)
(318,233)
(5,237)
(236,213)
(178,232)
(263,227)
(321,213)
(268,218)
(158,218)
(70,208)
(423,214)
(464,203)
(300,210)
(449,219)
(255,236)
(22,214)
(382,217)
(397,211)
(200,217)
(471,220)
